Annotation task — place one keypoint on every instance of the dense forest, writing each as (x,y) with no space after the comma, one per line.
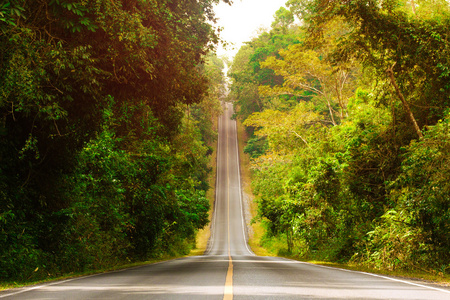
(106,121)
(346,105)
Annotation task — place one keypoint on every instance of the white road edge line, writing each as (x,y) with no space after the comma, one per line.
(28,289)
(240,192)
(228,288)
(212,228)
(213,224)
(379,276)
(33,288)
(24,290)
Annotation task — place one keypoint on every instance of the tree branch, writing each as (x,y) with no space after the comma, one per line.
(298,135)
(390,72)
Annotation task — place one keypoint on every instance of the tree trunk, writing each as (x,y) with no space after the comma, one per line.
(331,110)
(413,5)
(289,239)
(404,102)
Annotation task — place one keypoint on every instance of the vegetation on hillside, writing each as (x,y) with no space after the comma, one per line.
(348,107)
(106,110)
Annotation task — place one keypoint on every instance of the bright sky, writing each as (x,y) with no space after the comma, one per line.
(241,21)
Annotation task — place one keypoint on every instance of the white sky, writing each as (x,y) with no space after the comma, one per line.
(241,21)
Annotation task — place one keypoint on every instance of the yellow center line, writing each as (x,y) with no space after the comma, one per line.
(228,290)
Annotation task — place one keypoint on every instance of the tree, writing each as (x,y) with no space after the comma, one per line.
(283,19)
(364,189)
(244,88)
(310,73)
(92,99)
(418,66)
(208,110)
(246,71)
(286,131)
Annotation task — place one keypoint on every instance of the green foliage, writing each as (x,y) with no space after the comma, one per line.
(208,110)
(247,74)
(256,147)
(309,74)
(10,12)
(99,165)
(343,176)
(73,16)
(394,244)
(422,190)
(283,18)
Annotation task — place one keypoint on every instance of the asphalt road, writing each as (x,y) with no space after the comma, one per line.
(229,269)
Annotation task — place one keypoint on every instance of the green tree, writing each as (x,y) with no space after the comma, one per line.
(367,188)
(92,100)
(410,54)
(283,19)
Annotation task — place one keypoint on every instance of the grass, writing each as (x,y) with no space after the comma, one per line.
(202,237)
(256,230)
(434,278)
(10,285)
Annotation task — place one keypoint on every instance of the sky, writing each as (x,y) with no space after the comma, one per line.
(241,21)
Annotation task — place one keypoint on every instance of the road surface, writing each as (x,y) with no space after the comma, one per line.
(229,270)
